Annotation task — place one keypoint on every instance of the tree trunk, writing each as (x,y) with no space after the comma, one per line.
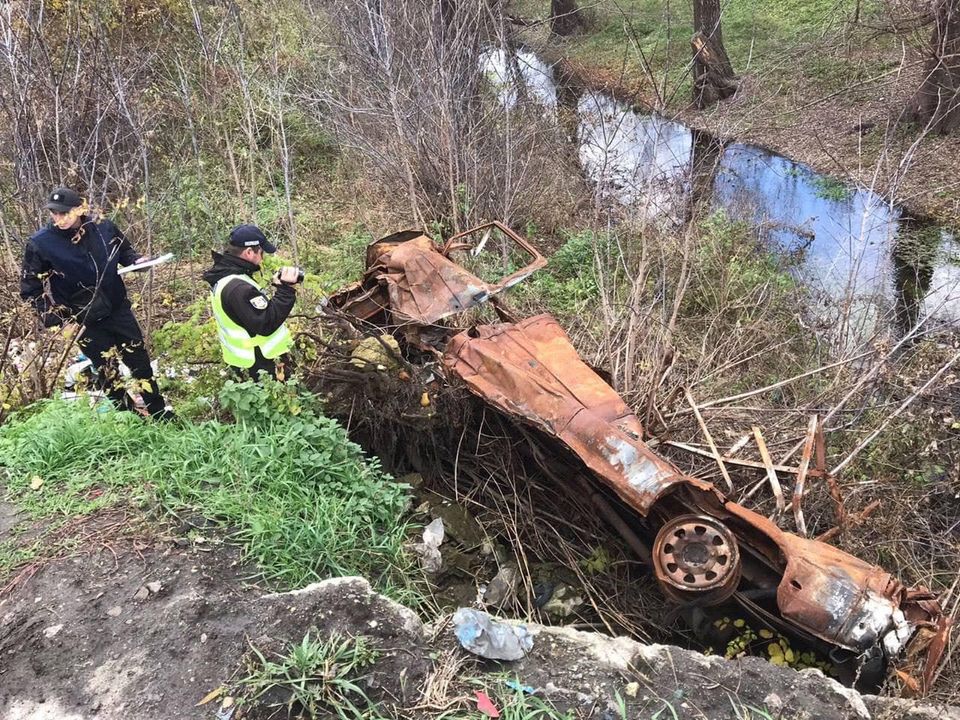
(565,18)
(937,102)
(705,160)
(713,76)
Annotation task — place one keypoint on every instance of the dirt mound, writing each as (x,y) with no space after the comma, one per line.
(148,634)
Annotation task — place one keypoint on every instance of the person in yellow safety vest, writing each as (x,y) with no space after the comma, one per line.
(253,335)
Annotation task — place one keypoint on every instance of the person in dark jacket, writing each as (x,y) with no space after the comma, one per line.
(70,277)
(253,335)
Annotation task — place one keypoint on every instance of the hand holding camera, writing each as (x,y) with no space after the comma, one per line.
(288,276)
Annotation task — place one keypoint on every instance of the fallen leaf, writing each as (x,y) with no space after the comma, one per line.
(36,482)
(485,705)
(909,681)
(212,695)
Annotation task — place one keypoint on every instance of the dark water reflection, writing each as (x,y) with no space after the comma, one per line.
(852,240)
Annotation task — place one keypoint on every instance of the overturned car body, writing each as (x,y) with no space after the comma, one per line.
(703,548)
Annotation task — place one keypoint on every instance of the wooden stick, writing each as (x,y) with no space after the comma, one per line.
(903,406)
(733,461)
(771,472)
(802,475)
(781,383)
(709,437)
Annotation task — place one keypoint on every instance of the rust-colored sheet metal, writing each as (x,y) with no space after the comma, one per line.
(531,370)
(840,598)
(416,281)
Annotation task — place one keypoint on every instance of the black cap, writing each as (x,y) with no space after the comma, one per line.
(63,199)
(251,236)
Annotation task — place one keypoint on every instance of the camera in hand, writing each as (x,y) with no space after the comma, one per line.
(301,273)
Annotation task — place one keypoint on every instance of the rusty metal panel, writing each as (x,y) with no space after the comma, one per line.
(531,370)
(838,597)
(418,283)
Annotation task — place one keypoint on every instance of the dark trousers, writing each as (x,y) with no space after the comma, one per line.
(118,338)
(278,370)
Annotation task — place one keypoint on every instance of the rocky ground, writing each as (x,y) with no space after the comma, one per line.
(147,627)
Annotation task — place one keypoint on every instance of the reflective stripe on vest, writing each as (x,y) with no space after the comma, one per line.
(237,344)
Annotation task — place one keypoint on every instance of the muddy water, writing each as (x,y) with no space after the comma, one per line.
(860,254)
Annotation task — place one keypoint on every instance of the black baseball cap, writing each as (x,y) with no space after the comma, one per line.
(251,236)
(63,199)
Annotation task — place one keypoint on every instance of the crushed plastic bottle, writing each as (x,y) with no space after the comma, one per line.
(483,635)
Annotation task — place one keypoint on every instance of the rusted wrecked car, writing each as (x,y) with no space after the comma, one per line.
(704,549)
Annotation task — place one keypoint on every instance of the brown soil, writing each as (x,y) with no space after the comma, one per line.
(84,637)
(92,636)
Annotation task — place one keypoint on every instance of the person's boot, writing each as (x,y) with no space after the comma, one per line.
(155,403)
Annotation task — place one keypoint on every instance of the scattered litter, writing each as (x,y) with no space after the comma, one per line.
(503,588)
(36,482)
(429,549)
(483,635)
(516,686)
(154,587)
(115,611)
(631,689)
(52,631)
(485,705)
(142,593)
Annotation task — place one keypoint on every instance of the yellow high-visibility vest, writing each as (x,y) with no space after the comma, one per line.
(237,344)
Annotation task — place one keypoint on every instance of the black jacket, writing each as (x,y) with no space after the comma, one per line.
(243,303)
(80,268)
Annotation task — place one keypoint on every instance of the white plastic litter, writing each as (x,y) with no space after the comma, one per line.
(484,635)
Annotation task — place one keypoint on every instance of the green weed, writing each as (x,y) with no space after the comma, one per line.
(569,283)
(301,499)
(321,679)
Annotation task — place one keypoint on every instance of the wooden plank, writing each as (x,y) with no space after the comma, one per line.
(802,475)
(789,469)
(771,472)
(709,437)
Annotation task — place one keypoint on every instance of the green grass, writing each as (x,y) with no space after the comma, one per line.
(568,285)
(321,679)
(302,500)
(756,35)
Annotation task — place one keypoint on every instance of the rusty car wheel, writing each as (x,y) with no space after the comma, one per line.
(696,557)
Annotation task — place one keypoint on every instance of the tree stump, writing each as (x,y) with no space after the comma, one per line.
(713,76)
(565,17)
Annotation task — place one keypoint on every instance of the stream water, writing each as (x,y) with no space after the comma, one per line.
(861,254)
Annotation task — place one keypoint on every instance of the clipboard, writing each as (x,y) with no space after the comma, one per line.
(145,264)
